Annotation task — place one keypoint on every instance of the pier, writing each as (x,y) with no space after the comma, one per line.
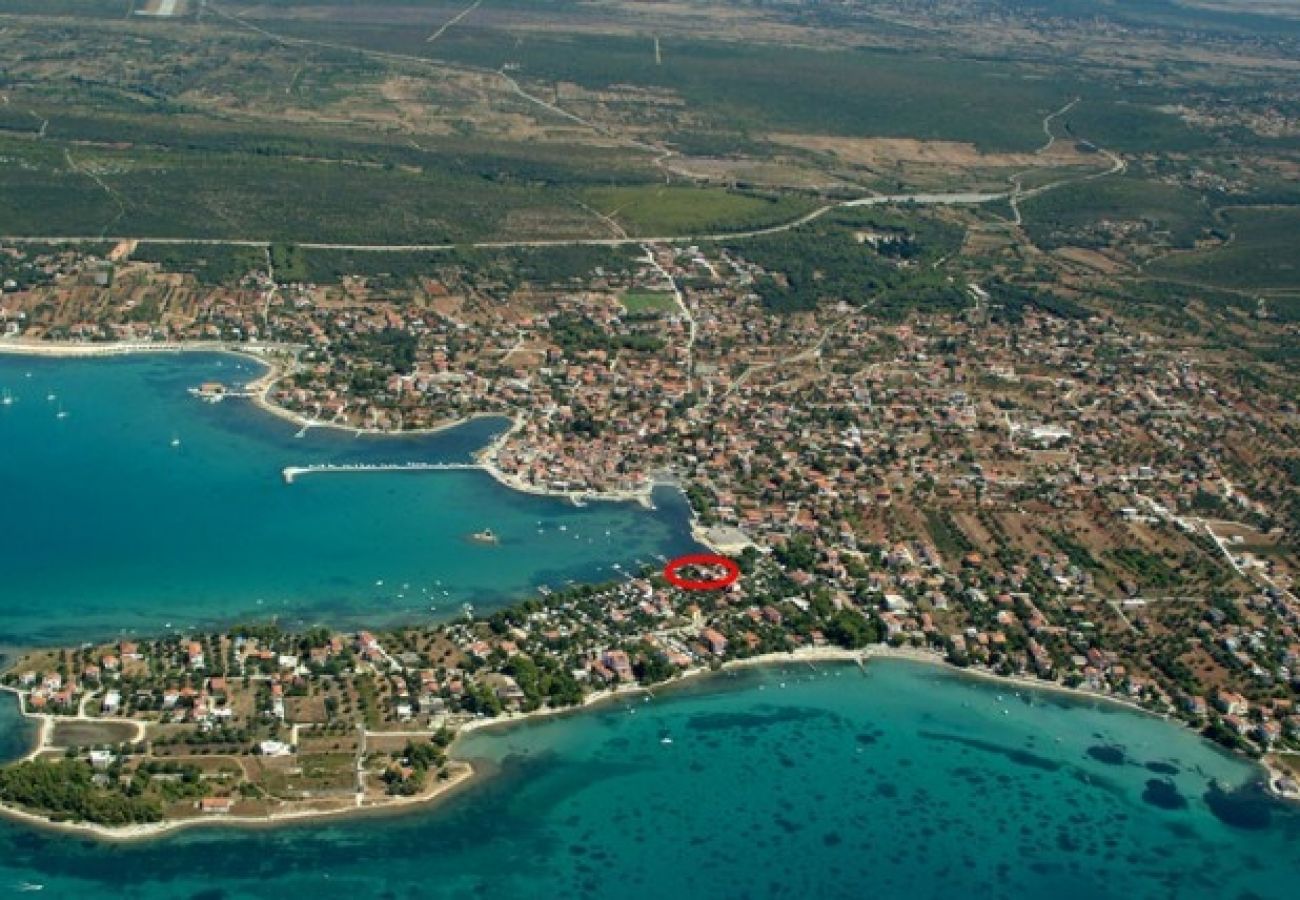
(292,472)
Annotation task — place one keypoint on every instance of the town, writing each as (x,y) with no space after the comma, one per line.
(992,473)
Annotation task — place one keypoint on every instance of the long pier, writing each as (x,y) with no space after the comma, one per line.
(292,472)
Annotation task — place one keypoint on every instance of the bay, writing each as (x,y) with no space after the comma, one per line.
(141,508)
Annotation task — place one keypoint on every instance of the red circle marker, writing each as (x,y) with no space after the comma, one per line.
(701,559)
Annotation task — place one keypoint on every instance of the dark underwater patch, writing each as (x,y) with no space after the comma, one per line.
(1248,808)
(1163,794)
(1163,768)
(727,721)
(1108,754)
(1019,757)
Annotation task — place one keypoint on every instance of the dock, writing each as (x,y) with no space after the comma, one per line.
(290,473)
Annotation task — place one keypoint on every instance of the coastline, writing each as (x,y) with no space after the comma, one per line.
(262,386)
(463,775)
(275,363)
(466,773)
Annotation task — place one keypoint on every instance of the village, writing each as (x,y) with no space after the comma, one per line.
(1021,489)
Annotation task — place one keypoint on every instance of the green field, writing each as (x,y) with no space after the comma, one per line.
(648,302)
(1263,253)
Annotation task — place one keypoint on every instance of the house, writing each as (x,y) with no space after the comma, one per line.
(101,759)
(217,805)
(1232,703)
(713,639)
(111,704)
(617,661)
(274,748)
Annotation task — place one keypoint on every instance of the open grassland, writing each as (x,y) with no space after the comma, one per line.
(1263,253)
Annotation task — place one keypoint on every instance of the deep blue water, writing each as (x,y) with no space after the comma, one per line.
(908,781)
(106,527)
(16,733)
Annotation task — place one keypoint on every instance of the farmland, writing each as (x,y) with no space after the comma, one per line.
(338,121)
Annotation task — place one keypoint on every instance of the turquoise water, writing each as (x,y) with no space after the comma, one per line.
(108,528)
(908,781)
(804,782)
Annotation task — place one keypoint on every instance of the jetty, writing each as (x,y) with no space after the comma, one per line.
(292,472)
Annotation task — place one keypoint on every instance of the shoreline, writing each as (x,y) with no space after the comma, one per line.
(467,774)
(262,386)
(460,779)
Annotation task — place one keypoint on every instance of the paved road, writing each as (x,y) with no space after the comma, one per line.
(966,199)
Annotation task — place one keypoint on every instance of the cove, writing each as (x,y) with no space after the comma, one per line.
(128,506)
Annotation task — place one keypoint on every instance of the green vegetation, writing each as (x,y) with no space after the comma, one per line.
(743,87)
(1150,569)
(636,302)
(1010,302)
(577,333)
(1132,127)
(1262,253)
(288,264)
(210,264)
(247,198)
(65,789)
(825,260)
(1078,554)
(1070,215)
(655,210)
(948,537)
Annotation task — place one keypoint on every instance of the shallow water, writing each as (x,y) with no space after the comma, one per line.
(107,528)
(908,781)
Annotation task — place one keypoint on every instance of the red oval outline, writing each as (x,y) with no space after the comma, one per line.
(701,559)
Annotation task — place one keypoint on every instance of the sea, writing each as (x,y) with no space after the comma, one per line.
(131,507)
(796,780)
